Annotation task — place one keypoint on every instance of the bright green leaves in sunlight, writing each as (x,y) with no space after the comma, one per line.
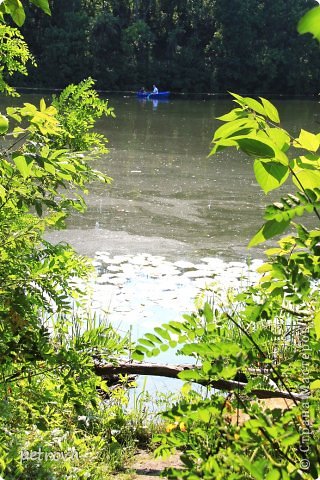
(269,174)
(41,181)
(253,129)
(270,110)
(280,137)
(15,55)
(43,120)
(79,106)
(244,129)
(14,51)
(308,141)
(234,128)
(265,108)
(48,334)
(306,172)
(310,23)
(23,164)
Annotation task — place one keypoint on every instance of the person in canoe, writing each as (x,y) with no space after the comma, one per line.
(142,90)
(155,90)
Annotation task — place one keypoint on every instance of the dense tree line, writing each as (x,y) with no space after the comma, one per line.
(181,45)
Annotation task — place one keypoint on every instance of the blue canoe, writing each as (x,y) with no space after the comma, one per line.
(153,95)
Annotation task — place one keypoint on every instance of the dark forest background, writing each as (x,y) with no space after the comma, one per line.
(180,45)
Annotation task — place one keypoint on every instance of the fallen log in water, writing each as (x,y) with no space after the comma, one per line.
(110,370)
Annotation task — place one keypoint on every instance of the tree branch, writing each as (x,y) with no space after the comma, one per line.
(172,371)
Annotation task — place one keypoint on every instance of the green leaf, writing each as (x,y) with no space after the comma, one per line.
(265,267)
(206,367)
(197,348)
(3,193)
(310,160)
(306,179)
(42,105)
(204,415)
(64,176)
(234,128)
(49,168)
(288,208)
(270,110)
(307,140)
(147,343)
(310,23)
(153,338)
(138,355)
(28,110)
(24,165)
(13,113)
(269,230)
(270,175)
(163,333)
(43,4)
(254,105)
(221,144)
(164,348)
(228,372)
(257,148)
(238,97)
(4,124)
(16,10)
(280,137)
(155,352)
(235,114)
(208,313)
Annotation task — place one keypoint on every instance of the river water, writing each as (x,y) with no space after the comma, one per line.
(167,196)
(173,220)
